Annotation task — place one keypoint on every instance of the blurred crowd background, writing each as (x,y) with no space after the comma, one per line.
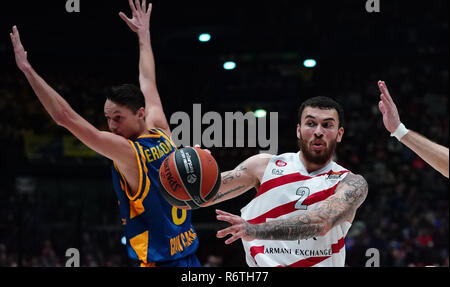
(57,194)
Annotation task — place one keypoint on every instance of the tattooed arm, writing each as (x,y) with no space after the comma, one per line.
(244,177)
(350,193)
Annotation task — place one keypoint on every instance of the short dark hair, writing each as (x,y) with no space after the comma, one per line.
(127,95)
(324,103)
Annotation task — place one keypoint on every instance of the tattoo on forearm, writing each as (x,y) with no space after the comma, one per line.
(227,177)
(294,228)
(237,172)
(222,194)
(314,222)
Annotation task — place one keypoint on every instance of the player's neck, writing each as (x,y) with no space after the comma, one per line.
(310,166)
(142,132)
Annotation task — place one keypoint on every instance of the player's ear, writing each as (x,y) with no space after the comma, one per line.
(340,134)
(298,131)
(141,113)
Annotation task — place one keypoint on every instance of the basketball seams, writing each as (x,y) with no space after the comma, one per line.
(172,199)
(201,174)
(216,183)
(186,170)
(182,181)
(176,168)
(166,166)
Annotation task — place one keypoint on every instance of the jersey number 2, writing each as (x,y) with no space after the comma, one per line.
(304,193)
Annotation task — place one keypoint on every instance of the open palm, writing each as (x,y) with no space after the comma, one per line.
(391,118)
(141,16)
(19,50)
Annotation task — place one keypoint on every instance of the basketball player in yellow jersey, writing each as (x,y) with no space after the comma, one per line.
(157,234)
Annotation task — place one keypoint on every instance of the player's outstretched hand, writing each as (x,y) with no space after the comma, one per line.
(239,227)
(19,51)
(140,22)
(391,118)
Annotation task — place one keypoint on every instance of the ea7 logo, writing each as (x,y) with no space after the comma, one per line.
(277,171)
(373,6)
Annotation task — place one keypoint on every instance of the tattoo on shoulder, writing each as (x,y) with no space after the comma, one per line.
(356,188)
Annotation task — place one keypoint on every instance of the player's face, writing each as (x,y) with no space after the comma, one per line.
(319,134)
(121,120)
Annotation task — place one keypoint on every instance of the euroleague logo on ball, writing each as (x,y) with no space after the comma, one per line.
(187,161)
(280,163)
(191,178)
(195,174)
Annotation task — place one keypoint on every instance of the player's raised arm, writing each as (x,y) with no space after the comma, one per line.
(140,24)
(244,177)
(110,145)
(341,206)
(434,154)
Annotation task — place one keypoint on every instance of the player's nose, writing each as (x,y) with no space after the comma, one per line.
(113,128)
(318,132)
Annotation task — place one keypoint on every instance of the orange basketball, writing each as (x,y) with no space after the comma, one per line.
(189,178)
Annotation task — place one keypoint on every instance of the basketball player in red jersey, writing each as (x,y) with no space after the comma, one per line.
(305,202)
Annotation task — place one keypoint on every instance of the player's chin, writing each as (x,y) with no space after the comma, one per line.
(319,156)
(318,150)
